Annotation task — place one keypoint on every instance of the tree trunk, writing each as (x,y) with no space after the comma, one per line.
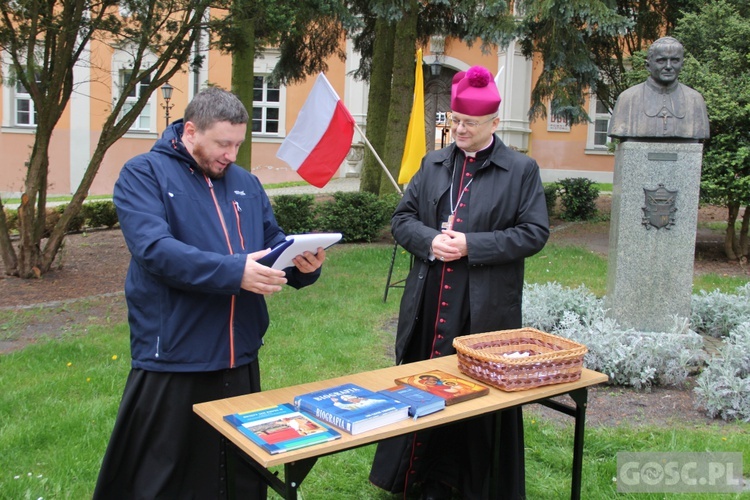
(402,93)
(243,58)
(32,211)
(377,114)
(73,208)
(730,240)
(7,253)
(744,241)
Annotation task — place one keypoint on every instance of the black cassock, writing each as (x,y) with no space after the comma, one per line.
(456,454)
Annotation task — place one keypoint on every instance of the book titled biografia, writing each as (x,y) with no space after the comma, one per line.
(352,408)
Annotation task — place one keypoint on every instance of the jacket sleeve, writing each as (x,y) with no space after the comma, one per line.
(526,231)
(140,202)
(273,235)
(414,220)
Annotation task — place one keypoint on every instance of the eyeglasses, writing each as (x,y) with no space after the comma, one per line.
(470,124)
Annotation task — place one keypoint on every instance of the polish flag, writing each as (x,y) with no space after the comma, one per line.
(321,137)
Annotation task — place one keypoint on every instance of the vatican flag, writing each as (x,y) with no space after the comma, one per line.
(416,142)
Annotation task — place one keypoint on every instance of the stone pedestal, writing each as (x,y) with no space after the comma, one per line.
(652,233)
(354,160)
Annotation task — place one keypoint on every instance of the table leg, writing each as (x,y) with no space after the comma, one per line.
(390,272)
(580,398)
(495,491)
(294,474)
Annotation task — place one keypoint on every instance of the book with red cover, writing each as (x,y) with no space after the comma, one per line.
(450,387)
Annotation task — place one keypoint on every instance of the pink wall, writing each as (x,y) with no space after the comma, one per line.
(16,150)
(266,166)
(566,155)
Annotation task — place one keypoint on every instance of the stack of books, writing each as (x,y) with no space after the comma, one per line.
(351,408)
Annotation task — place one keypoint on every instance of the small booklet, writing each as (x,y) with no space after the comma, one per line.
(449,387)
(280,256)
(281,428)
(420,402)
(352,408)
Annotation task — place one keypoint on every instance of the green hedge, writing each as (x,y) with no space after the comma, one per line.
(99,214)
(578,198)
(295,214)
(359,216)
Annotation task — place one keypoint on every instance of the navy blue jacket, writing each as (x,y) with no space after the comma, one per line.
(189,238)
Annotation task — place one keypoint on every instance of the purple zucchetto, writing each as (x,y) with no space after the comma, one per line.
(474,92)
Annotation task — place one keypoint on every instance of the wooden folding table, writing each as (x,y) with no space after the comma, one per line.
(298,463)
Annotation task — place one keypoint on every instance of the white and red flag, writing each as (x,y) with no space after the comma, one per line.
(321,137)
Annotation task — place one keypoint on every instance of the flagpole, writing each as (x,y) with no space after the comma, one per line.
(393,181)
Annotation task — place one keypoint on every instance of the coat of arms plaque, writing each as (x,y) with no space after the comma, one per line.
(660,207)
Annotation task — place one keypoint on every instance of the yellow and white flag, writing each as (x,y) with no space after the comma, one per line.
(416,142)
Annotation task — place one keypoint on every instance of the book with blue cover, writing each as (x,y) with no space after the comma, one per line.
(281,428)
(420,402)
(352,408)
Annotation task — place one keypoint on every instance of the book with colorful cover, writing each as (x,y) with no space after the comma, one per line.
(352,408)
(420,402)
(281,428)
(450,387)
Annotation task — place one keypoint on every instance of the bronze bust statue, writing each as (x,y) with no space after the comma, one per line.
(661,107)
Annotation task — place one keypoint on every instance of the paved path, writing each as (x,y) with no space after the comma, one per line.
(338,184)
(334,185)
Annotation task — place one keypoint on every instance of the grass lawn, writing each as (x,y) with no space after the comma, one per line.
(60,397)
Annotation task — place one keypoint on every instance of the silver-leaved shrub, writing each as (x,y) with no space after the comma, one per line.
(626,356)
(716,313)
(723,388)
(545,304)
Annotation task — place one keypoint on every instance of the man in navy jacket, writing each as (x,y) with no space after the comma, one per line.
(195,224)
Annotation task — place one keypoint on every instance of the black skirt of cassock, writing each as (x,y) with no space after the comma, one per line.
(160,449)
(458,454)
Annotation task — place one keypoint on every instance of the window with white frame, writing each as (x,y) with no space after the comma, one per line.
(266,106)
(121,70)
(600,115)
(144,119)
(24,106)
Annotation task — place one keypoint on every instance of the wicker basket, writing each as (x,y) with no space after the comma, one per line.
(551,359)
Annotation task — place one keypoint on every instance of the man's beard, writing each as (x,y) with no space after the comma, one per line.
(203,161)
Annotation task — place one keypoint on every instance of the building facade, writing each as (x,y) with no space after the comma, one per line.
(561,150)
